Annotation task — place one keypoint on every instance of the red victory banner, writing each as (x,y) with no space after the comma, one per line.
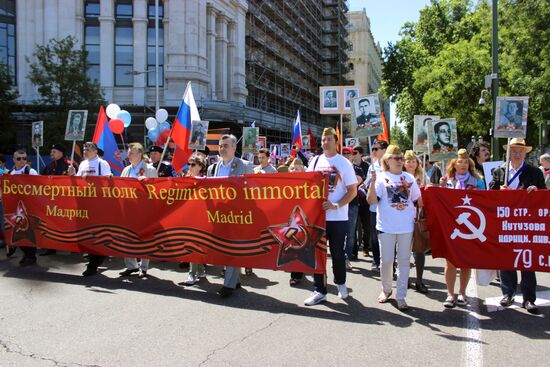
(257,221)
(502,230)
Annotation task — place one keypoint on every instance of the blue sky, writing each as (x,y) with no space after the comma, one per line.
(387,16)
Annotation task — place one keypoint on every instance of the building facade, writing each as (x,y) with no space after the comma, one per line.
(365,55)
(247,60)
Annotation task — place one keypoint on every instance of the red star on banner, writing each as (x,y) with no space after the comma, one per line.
(23,224)
(297,239)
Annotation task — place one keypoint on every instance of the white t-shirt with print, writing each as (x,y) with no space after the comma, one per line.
(21,171)
(396,193)
(341,175)
(90,167)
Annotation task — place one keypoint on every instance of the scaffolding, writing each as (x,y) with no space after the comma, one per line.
(292,48)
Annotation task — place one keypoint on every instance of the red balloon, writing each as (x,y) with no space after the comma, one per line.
(116,126)
(163,137)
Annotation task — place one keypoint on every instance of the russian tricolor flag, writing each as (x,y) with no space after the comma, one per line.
(297,134)
(181,129)
(105,140)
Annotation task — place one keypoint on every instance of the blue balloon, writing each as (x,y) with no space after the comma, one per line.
(164,125)
(125,117)
(154,134)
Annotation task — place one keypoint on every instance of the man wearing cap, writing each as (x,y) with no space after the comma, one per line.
(229,165)
(521,176)
(92,165)
(342,188)
(166,169)
(58,165)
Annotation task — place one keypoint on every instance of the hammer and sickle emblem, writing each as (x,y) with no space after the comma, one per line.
(463,219)
(291,234)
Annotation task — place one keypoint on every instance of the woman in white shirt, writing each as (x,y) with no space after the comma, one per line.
(395,192)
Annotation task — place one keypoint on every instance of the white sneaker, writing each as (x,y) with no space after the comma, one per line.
(348,265)
(342,291)
(315,298)
(191,280)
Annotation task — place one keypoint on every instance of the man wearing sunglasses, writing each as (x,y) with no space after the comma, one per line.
(378,150)
(22,167)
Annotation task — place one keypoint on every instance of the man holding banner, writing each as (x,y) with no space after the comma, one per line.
(229,165)
(342,187)
(520,176)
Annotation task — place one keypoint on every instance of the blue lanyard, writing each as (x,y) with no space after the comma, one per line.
(519,171)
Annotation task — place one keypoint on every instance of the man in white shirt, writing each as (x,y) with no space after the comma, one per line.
(92,166)
(342,189)
(22,167)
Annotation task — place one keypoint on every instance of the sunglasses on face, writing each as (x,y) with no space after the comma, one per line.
(396,158)
(346,153)
(377,149)
(192,164)
(354,153)
(21,158)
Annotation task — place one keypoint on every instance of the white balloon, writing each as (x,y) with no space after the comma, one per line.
(161,115)
(151,123)
(112,110)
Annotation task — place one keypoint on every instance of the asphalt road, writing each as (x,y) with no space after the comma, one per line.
(52,316)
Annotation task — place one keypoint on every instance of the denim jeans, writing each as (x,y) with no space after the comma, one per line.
(336,236)
(351,238)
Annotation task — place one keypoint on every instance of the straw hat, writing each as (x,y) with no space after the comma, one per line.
(519,142)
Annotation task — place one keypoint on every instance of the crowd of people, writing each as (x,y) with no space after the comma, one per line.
(373,202)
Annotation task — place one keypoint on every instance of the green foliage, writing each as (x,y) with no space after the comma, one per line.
(7,100)
(438,65)
(59,71)
(400,138)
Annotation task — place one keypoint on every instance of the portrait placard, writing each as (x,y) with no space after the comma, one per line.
(488,168)
(442,139)
(285,150)
(351,142)
(76,125)
(511,117)
(329,99)
(420,132)
(366,119)
(199,132)
(306,144)
(250,136)
(274,150)
(37,134)
(349,94)
(261,142)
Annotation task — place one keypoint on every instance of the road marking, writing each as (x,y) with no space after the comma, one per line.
(493,303)
(473,348)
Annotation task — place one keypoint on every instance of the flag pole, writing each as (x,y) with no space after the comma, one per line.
(341,133)
(72,153)
(507,162)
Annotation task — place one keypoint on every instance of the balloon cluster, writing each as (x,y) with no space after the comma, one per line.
(120,119)
(158,128)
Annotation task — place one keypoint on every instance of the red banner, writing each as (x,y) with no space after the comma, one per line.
(258,221)
(503,230)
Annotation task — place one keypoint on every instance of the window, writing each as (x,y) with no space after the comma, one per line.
(124,44)
(91,37)
(7,36)
(151,46)
(124,56)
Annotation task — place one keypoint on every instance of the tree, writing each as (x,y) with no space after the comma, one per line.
(438,65)
(59,71)
(8,95)
(400,138)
